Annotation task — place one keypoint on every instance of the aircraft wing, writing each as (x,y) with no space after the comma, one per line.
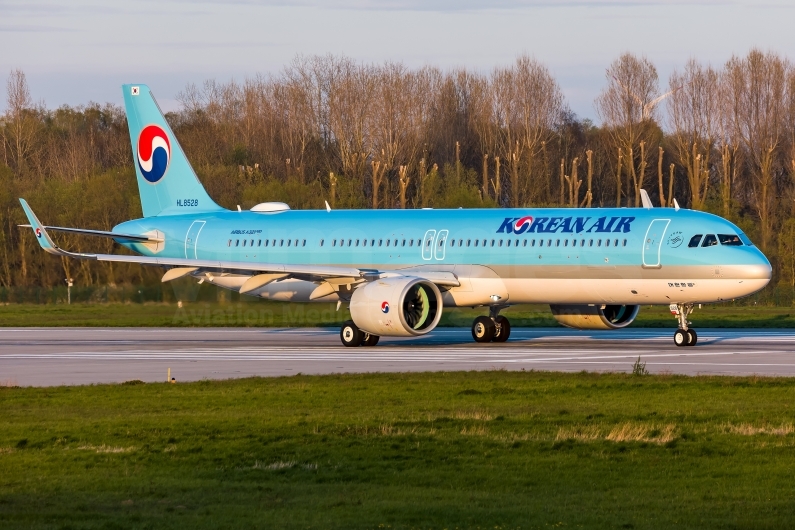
(263,272)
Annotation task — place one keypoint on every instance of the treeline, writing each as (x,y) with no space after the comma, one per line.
(720,139)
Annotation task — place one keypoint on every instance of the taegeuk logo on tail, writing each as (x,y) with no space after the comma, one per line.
(154,153)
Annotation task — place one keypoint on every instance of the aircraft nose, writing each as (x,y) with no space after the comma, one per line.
(759,268)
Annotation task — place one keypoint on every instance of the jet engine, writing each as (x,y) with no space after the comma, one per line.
(399,307)
(595,316)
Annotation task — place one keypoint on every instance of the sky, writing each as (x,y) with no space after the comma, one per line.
(78,51)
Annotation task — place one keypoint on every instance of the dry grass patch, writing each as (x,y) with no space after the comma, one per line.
(478,415)
(746,429)
(625,432)
(106,448)
(477,430)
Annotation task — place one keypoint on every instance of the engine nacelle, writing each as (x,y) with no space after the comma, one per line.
(595,316)
(397,307)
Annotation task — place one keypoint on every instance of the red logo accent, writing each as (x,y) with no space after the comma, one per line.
(521,222)
(38,233)
(385,307)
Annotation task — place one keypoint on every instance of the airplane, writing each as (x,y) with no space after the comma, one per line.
(399,269)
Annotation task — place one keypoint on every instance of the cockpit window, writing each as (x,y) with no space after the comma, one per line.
(744,239)
(709,240)
(695,240)
(730,239)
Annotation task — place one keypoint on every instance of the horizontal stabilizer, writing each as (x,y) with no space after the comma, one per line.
(101,233)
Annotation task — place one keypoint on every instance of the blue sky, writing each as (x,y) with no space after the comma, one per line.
(82,50)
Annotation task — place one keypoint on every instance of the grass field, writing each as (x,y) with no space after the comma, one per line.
(494,450)
(268,314)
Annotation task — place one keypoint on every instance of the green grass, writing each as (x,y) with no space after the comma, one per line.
(269,314)
(443,450)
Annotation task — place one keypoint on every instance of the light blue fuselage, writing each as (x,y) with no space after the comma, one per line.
(549,255)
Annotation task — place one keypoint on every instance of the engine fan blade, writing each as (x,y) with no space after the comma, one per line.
(416,307)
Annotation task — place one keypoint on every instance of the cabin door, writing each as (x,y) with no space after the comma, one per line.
(652,243)
(192,239)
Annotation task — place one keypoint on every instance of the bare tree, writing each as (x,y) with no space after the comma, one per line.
(694,117)
(22,122)
(755,88)
(528,105)
(627,106)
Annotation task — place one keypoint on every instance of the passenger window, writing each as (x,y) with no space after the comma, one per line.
(598,242)
(396,242)
(229,243)
(565,242)
(259,242)
(237,242)
(321,242)
(476,242)
(452,242)
(380,242)
(349,242)
(387,242)
(303,243)
(469,242)
(524,243)
(557,242)
(582,242)
(492,242)
(403,244)
(533,243)
(500,243)
(252,243)
(695,240)
(372,242)
(540,242)
(625,242)
(266,242)
(590,242)
(288,242)
(244,242)
(615,242)
(709,240)
(607,242)
(281,243)
(411,242)
(549,242)
(730,239)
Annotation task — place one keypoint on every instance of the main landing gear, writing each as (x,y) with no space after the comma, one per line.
(493,328)
(684,336)
(351,336)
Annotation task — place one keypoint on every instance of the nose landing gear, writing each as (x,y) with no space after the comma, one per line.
(684,336)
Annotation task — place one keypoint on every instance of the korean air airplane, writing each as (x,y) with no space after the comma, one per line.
(399,269)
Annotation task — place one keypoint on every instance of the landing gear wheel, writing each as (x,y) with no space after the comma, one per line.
(350,334)
(692,336)
(503,329)
(681,338)
(483,329)
(370,340)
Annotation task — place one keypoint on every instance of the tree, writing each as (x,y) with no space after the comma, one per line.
(694,117)
(627,106)
(755,88)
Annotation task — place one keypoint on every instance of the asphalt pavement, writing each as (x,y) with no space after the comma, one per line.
(75,356)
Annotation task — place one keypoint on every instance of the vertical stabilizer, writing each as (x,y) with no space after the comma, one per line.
(166,180)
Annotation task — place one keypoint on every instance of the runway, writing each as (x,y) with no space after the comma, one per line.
(74,356)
